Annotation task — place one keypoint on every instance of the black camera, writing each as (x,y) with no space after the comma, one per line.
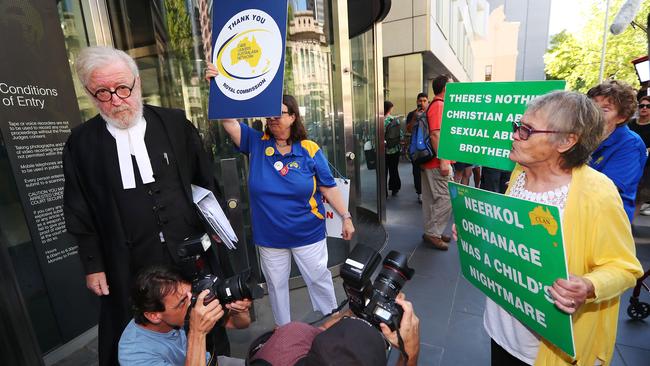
(375,302)
(238,287)
(192,262)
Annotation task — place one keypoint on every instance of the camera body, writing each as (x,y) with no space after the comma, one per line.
(375,301)
(238,287)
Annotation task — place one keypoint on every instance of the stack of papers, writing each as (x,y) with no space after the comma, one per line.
(213,214)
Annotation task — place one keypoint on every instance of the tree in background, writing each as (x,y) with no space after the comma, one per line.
(576,57)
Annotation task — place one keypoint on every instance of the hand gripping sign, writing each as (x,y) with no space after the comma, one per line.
(512,250)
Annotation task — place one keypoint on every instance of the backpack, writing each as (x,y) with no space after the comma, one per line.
(420,150)
(392,134)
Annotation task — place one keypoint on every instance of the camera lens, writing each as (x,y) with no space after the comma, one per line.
(238,287)
(393,275)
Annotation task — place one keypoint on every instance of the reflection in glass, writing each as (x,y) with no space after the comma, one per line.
(76,38)
(364,119)
(308,61)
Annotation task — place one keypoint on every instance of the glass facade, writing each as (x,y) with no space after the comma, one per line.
(365,119)
(170,41)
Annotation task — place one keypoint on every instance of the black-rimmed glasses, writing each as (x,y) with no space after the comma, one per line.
(278,117)
(105,95)
(525,131)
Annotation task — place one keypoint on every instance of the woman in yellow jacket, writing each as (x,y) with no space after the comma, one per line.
(552,144)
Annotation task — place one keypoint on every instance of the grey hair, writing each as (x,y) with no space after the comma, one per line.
(92,58)
(571,113)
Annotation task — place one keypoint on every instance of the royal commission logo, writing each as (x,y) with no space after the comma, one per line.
(247,54)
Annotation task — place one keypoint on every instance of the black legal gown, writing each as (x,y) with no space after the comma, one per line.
(120,231)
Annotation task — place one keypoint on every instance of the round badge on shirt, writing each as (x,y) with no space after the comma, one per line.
(278,165)
(269,151)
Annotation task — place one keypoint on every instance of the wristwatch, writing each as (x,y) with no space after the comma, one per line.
(346,216)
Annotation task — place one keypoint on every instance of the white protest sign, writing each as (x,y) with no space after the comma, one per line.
(333,220)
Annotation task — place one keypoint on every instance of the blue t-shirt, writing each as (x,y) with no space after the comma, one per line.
(286,205)
(621,157)
(143,347)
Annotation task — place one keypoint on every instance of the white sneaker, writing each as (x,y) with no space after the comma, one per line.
(645,212)
(644,206)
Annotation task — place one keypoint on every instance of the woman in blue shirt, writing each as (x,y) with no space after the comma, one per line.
(622,154)
(288,178)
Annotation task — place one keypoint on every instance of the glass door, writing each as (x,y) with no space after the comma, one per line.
(364,111)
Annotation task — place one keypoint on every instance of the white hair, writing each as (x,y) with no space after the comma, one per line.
(92,58)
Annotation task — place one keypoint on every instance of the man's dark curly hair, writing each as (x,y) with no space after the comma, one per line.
(150,288)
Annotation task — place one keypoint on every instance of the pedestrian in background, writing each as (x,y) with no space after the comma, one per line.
(411,122)
(436,174)
(393,135)
(641,125)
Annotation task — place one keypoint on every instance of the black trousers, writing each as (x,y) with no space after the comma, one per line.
(494,180)
(501,357)
(417,176)
(392,171)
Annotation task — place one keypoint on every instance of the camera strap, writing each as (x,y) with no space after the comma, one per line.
(400,342)
(341,306)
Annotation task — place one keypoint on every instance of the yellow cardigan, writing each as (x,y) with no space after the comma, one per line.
(599,246)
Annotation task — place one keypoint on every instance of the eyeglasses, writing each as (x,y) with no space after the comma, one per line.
(105,95)
(525,131)
(278,117)
(641,106)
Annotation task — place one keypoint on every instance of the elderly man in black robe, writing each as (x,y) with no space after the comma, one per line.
(128,176)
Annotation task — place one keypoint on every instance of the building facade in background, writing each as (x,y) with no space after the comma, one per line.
(472,40)
(426,38)
(533,17)
(496,53)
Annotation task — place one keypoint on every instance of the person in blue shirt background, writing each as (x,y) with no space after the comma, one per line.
(622,154)
(289,176)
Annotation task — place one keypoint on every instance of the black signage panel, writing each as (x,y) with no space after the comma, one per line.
(38,107)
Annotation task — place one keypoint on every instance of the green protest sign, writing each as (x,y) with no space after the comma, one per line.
(512,250)
(477,119)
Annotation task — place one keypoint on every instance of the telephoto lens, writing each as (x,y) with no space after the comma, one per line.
(393,275)
(238,287)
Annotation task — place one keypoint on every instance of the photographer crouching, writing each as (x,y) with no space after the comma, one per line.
(343,340)
(378,317)
(162,301)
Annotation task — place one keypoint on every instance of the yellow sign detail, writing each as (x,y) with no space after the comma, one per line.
(246,50)
(543,217)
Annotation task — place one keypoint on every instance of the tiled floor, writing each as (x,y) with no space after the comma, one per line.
(449,308)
